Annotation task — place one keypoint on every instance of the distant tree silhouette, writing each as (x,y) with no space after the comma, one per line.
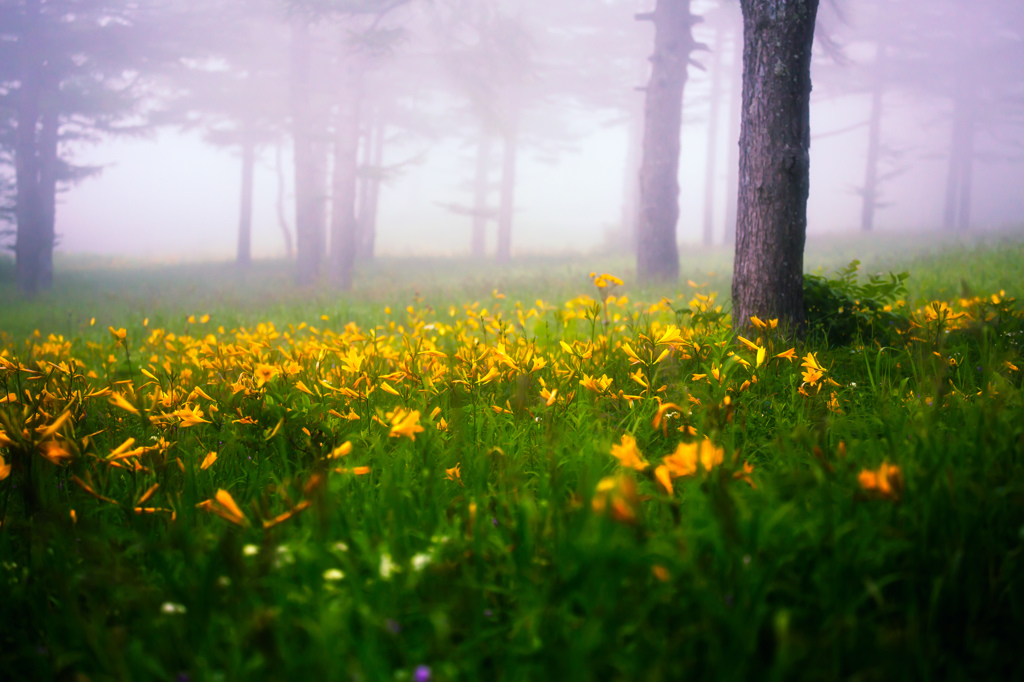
(70,70)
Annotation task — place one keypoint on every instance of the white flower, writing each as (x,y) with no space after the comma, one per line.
(420,561)
(387,566)
(333,574)
(170,607)
(250,550)
(284,556)
(340,547)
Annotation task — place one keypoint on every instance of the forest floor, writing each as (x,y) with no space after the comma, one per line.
(539,471)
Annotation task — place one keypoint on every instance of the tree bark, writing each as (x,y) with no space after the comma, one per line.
(506,209)
(282,220)
(711,160)
(481,194)
(369,198)
(243,258)
(774,162)
(870,190)
(735,103)
(49,139)
(657,252)
(310,166)
(961,156)
(344,228)
(28,208)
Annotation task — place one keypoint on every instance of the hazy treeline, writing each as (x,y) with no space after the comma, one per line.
(342,96)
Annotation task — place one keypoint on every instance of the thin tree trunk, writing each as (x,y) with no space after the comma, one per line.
(870,190)
(344,228)
(657,252)
(368,216)
(735,103)
(310,170)
(953,174)
(961,157)
(967,165)
(26,162)
(364,179)
(282,220)
(711,160)
(49,139)
(243,259)
(508,188)
(481,195)
(774,162)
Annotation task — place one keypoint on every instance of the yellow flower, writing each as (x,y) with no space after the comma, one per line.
(596,385)
(454,474)
(684,461)
(5,468)
(744,474)
(54,452)
(812,376)
(405,423)
(355,471)
(190,416)
(118,334)
(119,400)
(665,412)
(263,373)
(602,281)
(664,477)
(886,482)
(811,362)
(618,497)
(628,454)
(223,505)
(208,461)
(341,451)
(787,354)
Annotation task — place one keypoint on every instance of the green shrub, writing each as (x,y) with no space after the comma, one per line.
(841,310)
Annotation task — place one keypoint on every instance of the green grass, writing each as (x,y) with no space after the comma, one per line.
(805,576)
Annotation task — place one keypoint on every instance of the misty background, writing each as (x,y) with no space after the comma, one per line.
(917,121)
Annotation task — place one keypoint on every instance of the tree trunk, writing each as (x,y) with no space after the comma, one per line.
(243,259)
(344,228)
(369,199)
(735,102)
(27,210)
(28,207)
(282,220)
(49,139)
(657,252)
(481,194)
(711,160)
(870,190)
(508,188)
(961,156)
(310,170)
(774,162)
(967,173)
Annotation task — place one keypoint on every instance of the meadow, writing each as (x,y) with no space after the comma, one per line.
(459,472)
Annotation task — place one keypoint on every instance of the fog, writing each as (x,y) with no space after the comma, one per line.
(436,86)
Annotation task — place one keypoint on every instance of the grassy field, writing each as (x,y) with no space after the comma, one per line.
(460,472)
